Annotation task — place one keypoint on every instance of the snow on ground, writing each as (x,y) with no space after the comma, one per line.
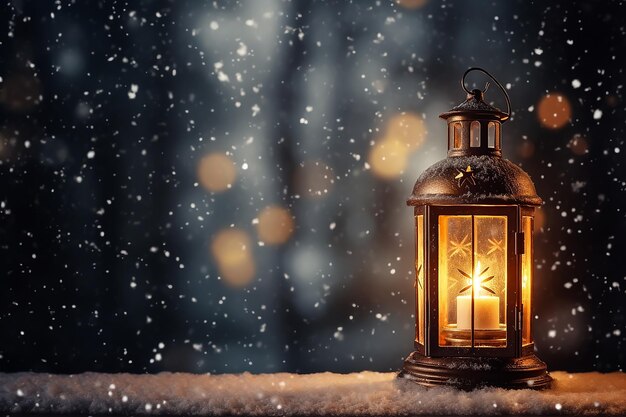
(365,393)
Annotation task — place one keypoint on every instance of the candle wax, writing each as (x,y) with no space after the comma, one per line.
(486,312)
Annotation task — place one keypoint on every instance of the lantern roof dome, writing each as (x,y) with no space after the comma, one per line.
(474,179)
(475,107)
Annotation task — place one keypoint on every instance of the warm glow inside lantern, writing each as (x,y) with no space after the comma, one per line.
(474,259)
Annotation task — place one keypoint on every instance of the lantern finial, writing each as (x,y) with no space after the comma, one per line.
(478,94)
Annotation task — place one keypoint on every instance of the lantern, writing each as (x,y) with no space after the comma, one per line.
(474,216)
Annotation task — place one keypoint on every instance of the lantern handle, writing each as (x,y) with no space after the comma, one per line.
(484,71)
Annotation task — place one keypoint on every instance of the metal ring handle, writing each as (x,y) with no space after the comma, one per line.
(506,95)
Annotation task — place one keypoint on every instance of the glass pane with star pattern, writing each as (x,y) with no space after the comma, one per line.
(489,281)
(455,254)
(472,268)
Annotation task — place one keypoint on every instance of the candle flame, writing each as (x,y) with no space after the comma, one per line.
(476,280)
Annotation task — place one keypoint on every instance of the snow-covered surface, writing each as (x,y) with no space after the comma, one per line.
(365,393)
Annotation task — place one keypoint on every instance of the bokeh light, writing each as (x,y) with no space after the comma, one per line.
(540,220)
(231,249)
(578,145)
(274,225)
(216,172)
(404,134)
(388,159)
(407,128)
(20,92)
(314,179)
(554,110)
(411,4)
(526,149)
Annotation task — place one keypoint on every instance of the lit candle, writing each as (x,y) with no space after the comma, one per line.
(486,308)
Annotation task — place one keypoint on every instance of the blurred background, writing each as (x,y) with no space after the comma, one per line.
(220,186)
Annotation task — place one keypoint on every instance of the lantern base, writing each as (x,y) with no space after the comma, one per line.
(527,372)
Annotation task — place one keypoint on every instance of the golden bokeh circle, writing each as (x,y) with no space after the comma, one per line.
(554,110)
(578,145)
(412,4)
(407,128)
(232,251)
(275,225)
(216,172)
(388,159)
(526,149)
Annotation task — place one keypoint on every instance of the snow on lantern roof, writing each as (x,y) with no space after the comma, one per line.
(474,179)
(476,108)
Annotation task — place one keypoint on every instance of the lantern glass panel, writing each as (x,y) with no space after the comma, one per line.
(455,249)
(456,135)
(419,278)
(472,264)
(498,139)
(527,276)
(489,280)
(491,135)
(475,134)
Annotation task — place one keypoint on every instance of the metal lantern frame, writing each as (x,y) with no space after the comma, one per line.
(475,182)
